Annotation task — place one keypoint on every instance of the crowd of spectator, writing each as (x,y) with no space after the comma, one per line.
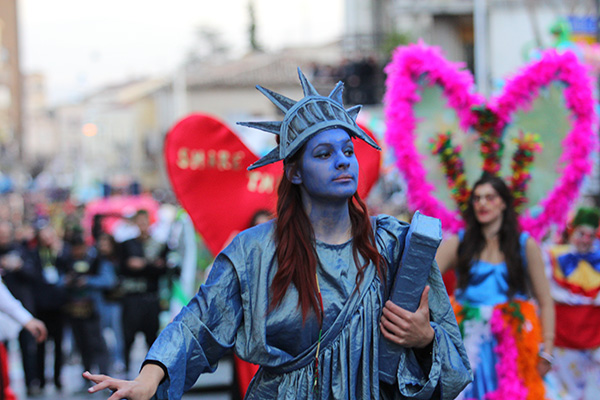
(93,294)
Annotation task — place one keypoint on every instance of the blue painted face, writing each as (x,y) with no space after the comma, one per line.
(328,168)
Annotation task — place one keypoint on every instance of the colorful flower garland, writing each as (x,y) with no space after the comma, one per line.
(516,323)
(491,147)
(453,167)
(411,64)
(527,145)
(453,164)
(516,328)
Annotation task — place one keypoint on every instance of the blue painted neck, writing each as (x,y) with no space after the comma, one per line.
(330,220)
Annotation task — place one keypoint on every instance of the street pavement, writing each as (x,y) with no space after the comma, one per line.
(75,387)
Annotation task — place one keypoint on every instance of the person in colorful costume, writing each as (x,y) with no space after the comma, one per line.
(304,295)
(497,269)
(575,287)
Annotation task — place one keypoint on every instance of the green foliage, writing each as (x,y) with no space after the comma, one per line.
(393,40)
(254,45)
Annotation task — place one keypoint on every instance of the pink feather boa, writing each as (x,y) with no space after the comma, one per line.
(413,62)
(509,383)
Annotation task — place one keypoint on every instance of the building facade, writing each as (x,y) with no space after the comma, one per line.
(11,119)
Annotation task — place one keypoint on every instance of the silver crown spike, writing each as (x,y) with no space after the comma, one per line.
(267,126)
(307,87)
(305,118)
(282,102)
(272,157)
(336,93)
(353,111)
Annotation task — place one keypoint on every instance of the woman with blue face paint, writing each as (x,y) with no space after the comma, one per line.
(303,295)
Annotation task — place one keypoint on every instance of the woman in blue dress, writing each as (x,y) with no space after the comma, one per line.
(498,268)
(303,295)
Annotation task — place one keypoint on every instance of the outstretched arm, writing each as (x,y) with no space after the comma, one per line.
(190,345)
(14,309)
(141,388)
(541,291)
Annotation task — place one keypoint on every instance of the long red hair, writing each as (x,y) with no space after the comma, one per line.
(296,254)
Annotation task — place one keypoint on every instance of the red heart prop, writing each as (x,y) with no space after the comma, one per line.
(369,161)
(206,163)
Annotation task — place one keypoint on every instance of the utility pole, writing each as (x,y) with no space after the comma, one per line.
(480,26)
(597,4)
(597,21)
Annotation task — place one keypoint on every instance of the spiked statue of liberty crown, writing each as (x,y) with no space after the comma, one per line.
(305,118)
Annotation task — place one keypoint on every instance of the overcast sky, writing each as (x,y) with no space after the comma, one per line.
(82,44)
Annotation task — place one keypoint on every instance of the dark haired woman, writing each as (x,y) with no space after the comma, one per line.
(303,295)
(498,269)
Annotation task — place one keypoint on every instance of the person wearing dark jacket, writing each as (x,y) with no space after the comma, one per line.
(49,298)
(143,262)
(85,279)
